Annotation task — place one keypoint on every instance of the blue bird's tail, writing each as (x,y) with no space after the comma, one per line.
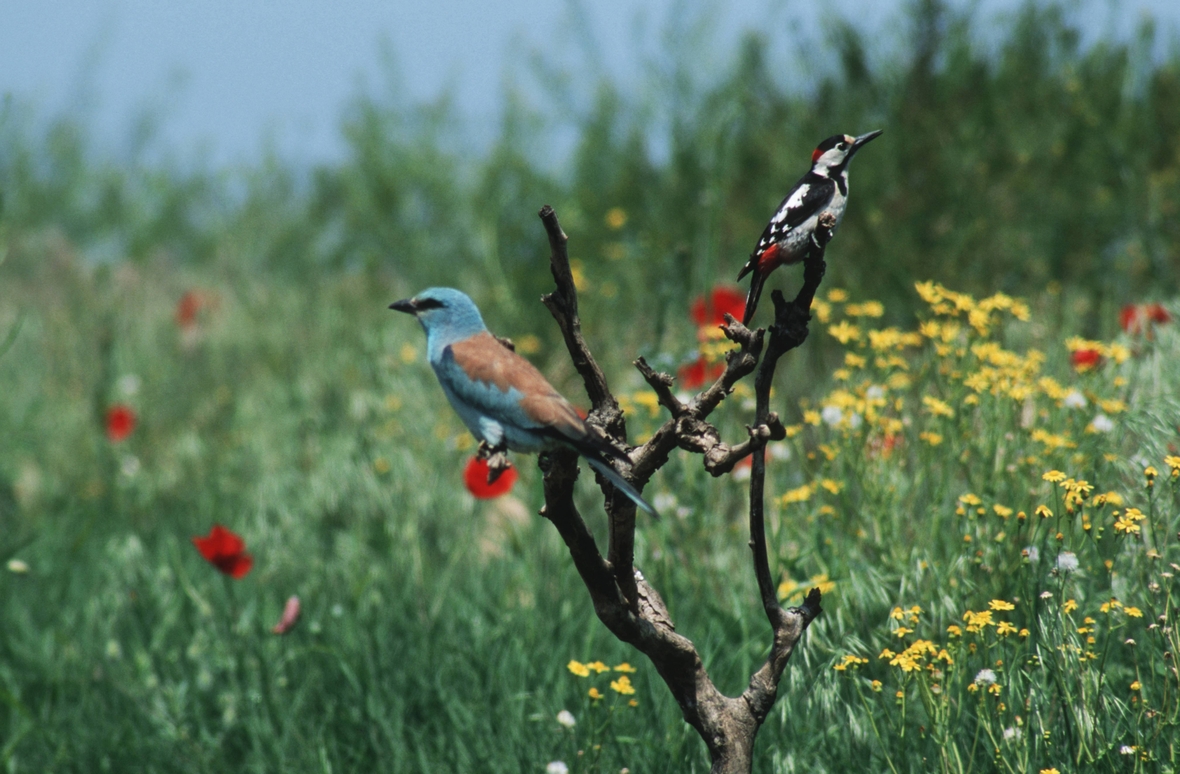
(597,462)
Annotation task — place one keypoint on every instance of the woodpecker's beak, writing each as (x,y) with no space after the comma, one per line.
(864,139)
(405,305)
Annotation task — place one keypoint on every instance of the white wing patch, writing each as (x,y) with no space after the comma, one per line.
(794,202)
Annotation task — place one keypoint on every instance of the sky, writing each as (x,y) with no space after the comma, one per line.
(230,77)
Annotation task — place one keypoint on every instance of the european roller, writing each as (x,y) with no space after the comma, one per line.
(501,398)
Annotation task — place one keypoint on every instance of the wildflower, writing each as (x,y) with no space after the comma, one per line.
(832,415)
(225,551)
(876,685)
(187,308)
(1074,400)
(289,618)
(1135,686)
(121,422)
(17,566)
(934,439)
(557,767)
(1002,511)
(696,374)
(866,309)
(1133,612)
(832,486)
(578,668)
(837,295)
(598,667)
(1044,512)
(625,668)
(1150,473)
(1067,562)
(1173,463)
(1069,606)
(567,719)
(616,218)
(1138,318)
(1004,629)
(999,604)
(985,677)
(1126,750)
(1085,359)
(802,494)
(1031,553)
(476,476)
(1101,424)
(954,630)
(594,693)
(936,407)
(721,301)
(1049,771)
(844,332)
(1054,476)
(623,686)
(1012,733)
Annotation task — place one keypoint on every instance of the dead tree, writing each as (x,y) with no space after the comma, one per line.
(623,599)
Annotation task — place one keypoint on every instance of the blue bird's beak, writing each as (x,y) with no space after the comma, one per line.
(864,139)
(405,305)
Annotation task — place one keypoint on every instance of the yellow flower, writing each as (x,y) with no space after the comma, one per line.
(1002,511)
(934,439)
(623,686)
(632,703)
(876,685)
(832,486)
(1004,628)
(1134,612)
(1136,685)
(625,667)
(970,499)
(1069,606)
(823,310)
(844,332)
(598,667)
(887,653)
(999,604)
(595,694)
(408,353)
(578,272)
(954,630)
(837,295)
(867,309)
(1044,512)
(937,407)
(528,344)
(802,494)
(1049,771)
(1023,633)
(1173,462)
(929,292)
(1113,604)
(578,668)
(616,218)
(1054,476)
(812,417)
(853,360)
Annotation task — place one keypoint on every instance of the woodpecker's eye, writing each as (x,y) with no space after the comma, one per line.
(841,146)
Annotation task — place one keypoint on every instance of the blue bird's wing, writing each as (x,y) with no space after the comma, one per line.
(497,389)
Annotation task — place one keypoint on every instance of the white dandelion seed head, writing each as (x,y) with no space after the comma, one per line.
(1067,561)
(1126,750)
(567,719)
(1012,733)
(985,677)
(1102,423)
(1034,554)
(832,415)
(1074,400)
(855,420)
(876,392)
(557,767)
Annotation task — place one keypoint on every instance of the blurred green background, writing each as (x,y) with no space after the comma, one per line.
(294,409)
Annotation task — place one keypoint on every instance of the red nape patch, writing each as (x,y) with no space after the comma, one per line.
(815,154)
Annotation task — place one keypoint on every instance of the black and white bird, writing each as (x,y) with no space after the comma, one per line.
(788,234)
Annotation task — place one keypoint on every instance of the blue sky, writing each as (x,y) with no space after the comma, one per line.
(229,76)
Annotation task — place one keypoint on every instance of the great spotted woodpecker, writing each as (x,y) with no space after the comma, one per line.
(787,237)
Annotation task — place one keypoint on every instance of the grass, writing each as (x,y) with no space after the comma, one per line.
(242,316)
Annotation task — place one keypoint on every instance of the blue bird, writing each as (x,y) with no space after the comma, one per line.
(501,397)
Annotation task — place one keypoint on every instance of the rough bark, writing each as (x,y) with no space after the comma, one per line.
(623,599)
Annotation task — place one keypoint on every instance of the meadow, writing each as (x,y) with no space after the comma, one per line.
(981,471)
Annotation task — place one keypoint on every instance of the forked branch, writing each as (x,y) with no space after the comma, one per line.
(623,599)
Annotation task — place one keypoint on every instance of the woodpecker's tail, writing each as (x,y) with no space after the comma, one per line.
(756,282)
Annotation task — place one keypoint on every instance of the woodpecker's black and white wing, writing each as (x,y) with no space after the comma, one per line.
(809,197)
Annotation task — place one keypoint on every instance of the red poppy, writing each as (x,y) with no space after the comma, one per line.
(120,422)
(696,374)
(1085,359)
(289,618)
(476,479)
(1137,318)
(723,300)
(225,551)
(187,308)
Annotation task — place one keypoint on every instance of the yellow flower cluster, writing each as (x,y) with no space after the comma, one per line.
(1116,352)
(622,685)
